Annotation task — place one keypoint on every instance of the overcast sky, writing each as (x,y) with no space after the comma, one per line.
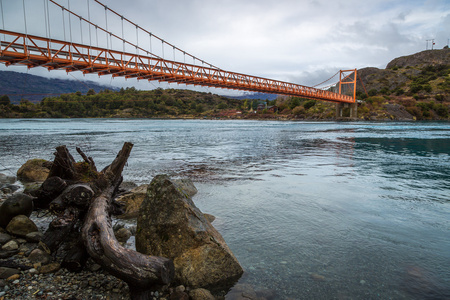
(304,42)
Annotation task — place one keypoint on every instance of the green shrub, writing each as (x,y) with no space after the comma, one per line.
(373,92)
(299,110)
(427,88)
(441,110)
(309,104)
(414,87)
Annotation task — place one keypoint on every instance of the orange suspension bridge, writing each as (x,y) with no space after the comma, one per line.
(74,42)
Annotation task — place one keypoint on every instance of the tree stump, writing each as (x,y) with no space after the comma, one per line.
(82,198)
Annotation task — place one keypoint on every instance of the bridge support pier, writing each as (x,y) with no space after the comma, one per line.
(346,110)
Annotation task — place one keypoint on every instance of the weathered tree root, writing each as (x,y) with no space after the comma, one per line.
(83,198)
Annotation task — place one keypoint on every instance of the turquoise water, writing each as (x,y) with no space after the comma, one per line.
(311,210)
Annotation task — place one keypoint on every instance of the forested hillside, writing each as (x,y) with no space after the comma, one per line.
(415,87)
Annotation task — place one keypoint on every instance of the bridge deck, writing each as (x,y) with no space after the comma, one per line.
(34,51)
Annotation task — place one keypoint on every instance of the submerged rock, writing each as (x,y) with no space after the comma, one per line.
(5,179)
(170,225)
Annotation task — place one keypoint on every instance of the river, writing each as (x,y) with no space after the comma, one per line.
(312,210)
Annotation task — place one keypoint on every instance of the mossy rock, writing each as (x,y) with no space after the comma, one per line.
(34,170)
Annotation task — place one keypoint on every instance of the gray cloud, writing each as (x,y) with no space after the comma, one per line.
(291,40)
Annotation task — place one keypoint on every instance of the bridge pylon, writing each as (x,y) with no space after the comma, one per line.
(347,85)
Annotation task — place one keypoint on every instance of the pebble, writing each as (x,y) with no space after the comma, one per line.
(317,277)
(50,268)
(14,277)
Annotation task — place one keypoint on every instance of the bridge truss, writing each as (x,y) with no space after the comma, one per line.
(37,51)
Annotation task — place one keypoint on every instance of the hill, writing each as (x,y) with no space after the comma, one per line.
(425,73)
(34,88)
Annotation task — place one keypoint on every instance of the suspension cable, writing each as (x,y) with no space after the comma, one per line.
(102,29)
(123,40)
(150,38)
(70,23)
(64,23)
(359,77)
(326,80)
(48,22)
(146,31)
(137,40)
(106,21)
(24,17)
(45,21)
(89,18)
(3,18)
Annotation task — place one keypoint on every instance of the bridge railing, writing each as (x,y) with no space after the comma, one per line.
(34,51)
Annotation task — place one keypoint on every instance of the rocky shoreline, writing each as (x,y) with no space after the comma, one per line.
(28,272)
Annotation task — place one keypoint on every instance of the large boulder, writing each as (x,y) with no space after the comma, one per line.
(133,199)
(170,225)
(21,226)
(34,170)
(17,204)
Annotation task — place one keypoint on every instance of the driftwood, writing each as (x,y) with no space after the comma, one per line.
(82,198)
(76,257)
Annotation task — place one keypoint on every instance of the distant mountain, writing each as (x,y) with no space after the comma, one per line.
(34,88)
(255,96)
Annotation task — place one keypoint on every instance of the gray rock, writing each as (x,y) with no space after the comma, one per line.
(180,288)
(34,237)
(170,225)
(17,204)
(201,294)
(9,188)
(7,272)
(6,254)
(39,256)
(132,201)
(5,179)
(21,225)
(4,238)
(10,246)
(122,235)
(187,186)
(209,217)
(95,267)
(128,186)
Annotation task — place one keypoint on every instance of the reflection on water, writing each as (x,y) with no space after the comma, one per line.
(311,210)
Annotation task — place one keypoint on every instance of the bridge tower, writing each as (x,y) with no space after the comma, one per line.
(347,85)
